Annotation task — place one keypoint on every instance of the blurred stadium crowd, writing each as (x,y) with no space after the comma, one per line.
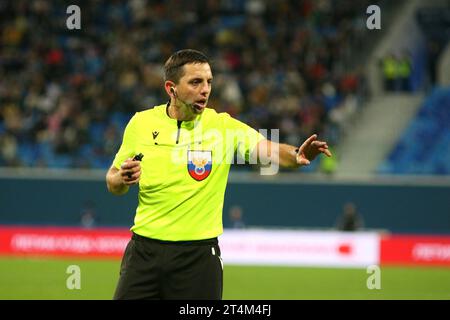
(66,95)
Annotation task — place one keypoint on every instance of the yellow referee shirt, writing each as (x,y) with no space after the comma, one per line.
(184,171)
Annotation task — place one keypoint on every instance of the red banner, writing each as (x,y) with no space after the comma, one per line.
(60,241)
(415,250)
(111,243)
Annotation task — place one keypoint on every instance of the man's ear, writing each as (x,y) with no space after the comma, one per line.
(170,89)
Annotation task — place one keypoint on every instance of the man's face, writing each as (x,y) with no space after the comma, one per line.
(194,87)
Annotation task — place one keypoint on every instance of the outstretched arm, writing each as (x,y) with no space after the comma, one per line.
(289,156)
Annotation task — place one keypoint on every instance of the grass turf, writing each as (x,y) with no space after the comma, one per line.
(44,278)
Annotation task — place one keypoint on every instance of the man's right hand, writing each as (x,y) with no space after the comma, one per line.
(130,171)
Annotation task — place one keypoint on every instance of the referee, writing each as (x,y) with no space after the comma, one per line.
(187,152)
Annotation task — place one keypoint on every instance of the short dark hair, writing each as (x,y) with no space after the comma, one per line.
(173,68)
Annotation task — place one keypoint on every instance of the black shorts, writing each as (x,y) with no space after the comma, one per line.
(155,269)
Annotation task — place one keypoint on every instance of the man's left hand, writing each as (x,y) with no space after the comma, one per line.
(309,150)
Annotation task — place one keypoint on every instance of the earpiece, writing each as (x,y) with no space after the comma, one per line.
(173,91)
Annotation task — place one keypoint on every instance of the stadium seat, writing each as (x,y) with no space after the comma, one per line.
(424,147)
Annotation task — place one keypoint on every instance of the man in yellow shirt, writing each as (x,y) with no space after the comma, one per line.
(188,149)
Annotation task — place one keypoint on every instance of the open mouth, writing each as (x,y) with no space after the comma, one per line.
(200,104)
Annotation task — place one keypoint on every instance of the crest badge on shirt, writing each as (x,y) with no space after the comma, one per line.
(199,164)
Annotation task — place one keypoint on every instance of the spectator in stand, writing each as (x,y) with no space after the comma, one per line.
(273,68)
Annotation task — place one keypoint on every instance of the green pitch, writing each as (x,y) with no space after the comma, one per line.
(42,278)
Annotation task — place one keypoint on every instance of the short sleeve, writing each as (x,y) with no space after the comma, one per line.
(245,137)
(127,148)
